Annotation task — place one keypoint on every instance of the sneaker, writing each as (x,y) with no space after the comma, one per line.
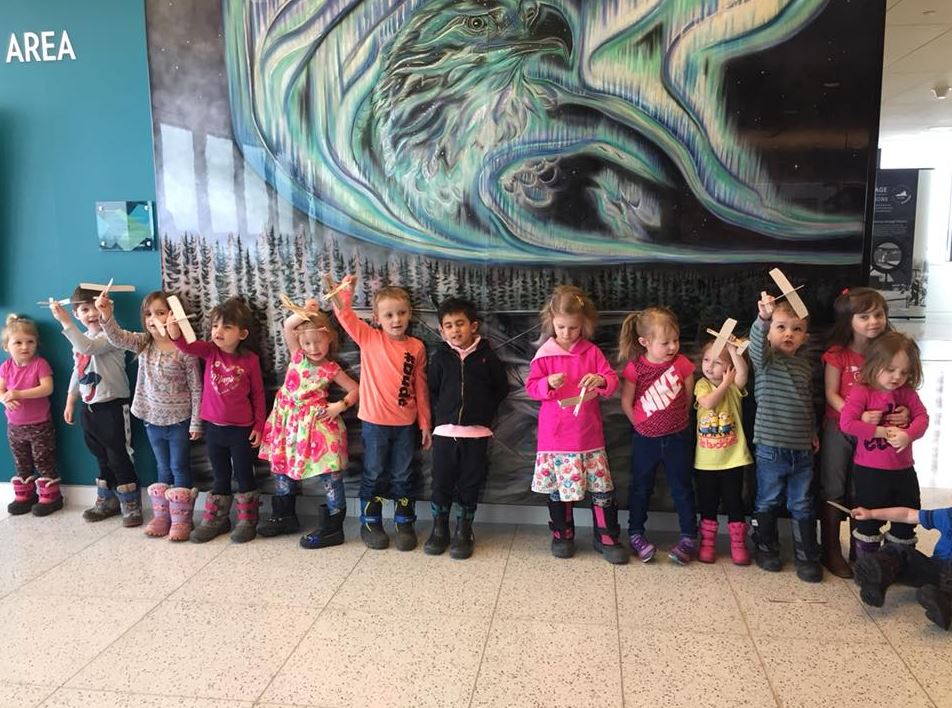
(640,545)
(684,552)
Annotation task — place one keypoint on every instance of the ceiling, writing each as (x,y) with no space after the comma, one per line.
(917,57)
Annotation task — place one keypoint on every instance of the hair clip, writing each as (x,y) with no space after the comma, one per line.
(846,291)
(581,302)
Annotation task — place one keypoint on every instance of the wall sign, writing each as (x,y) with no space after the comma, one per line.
(47,45)
(894,229)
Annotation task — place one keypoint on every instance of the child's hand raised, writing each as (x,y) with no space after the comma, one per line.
(765,306)
(342,293)
(555,380)
(105,306)
(172,328)
(61,315)
(729,375)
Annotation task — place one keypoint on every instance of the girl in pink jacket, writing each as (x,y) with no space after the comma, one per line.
(569,374)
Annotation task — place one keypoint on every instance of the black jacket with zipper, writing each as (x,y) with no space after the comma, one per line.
(467,391)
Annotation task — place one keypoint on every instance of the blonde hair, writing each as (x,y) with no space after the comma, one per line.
(320,321)
(881,352)
(392,292)
(15,323)
(641,324)
(568,300)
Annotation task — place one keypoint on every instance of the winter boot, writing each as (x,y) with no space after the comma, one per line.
(48,489)
(439,539)
(404,515)
(852,553)
(371,524)
(181,505)
(806,552)
(161,521)
(937,604)
(707,553)
(215,519)
(24,495)
(463,540)
(607,534)
(830,519)
(107,503)
(130,503)
(247,527)
(766,545)
(875,572)
(738,533)
(283,519)
(562,525)
(329,533)
(864,545)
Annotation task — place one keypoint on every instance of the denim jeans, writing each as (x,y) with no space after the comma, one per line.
(676,453)
(388,452)
(170,445)
(782,472)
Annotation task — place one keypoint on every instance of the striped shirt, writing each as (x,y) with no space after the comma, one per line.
(783,389)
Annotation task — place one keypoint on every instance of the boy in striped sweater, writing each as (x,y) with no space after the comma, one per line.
(785,437)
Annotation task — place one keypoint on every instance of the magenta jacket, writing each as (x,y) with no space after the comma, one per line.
(559,430)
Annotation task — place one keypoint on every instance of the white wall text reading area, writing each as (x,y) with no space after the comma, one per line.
(40,46)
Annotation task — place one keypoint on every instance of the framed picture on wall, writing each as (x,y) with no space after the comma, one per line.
(125,226)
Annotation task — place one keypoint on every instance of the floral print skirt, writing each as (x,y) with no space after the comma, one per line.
(571,474)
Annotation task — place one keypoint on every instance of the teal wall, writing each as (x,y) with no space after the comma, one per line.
(72,133)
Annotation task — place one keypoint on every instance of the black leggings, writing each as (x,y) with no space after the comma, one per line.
(877,488)
(715,486)
(229,450)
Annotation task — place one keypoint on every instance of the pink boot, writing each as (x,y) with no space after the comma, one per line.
(738,533)
(181,504)
(24,495)
(48,490)
(707,553)
(159,526)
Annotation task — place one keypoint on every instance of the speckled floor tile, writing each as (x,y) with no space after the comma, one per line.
(781,605)
(674,598)
(46,640)
(395,583)
(274,571)
(380,660)
(198,649)
(22,695)
(676,669)
(76,698)
(813,672)
(549,664)
(125,564)
(534,543)
(65,523)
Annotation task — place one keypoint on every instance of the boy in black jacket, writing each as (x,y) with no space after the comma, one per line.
(467,383)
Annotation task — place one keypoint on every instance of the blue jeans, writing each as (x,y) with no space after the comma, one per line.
(782,472)
(388,452)
(170,445)
(676,453)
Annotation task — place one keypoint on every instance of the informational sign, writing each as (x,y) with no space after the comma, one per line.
(892,269)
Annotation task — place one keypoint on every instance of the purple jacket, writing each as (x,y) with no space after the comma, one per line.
(559,430)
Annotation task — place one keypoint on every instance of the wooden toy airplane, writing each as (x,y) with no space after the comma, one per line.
(64,301)
(840,507)
(575,402)
(297,309)
(788,291)
(345,283)
(178,316)
(725,337)
(108,287)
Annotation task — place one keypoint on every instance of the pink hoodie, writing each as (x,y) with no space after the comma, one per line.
(559,430)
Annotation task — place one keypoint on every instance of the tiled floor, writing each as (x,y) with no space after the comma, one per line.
(96,615)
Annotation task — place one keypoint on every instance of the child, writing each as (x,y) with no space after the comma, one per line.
(860,317)
(933,576)
(721,453)
(233,411)
(568,374)
(304,436)
(26,382)
(657,385)
(467,383)
(99,379)
(393,401)
(784,437)
(167,400)
(882,462)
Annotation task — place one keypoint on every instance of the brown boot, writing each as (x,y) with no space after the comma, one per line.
(215,519)
(833,560)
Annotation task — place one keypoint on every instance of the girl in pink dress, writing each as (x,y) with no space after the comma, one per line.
(568,375)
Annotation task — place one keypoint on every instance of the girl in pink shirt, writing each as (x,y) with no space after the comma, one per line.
(884,475)
(656,390)
(26,382)
(568,375)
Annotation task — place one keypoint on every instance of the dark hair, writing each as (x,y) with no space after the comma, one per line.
(854,301)
(452,305)
(82,296)
(785,306)
(235,311)
(881,352)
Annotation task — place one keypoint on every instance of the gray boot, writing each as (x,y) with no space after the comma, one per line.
(107,503)
(215,519)
(247,527)
(130,503)
(806,551)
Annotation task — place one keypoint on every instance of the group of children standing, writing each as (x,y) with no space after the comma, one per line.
(872,417)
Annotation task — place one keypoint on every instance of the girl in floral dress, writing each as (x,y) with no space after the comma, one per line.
(304,436)
(569,374)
